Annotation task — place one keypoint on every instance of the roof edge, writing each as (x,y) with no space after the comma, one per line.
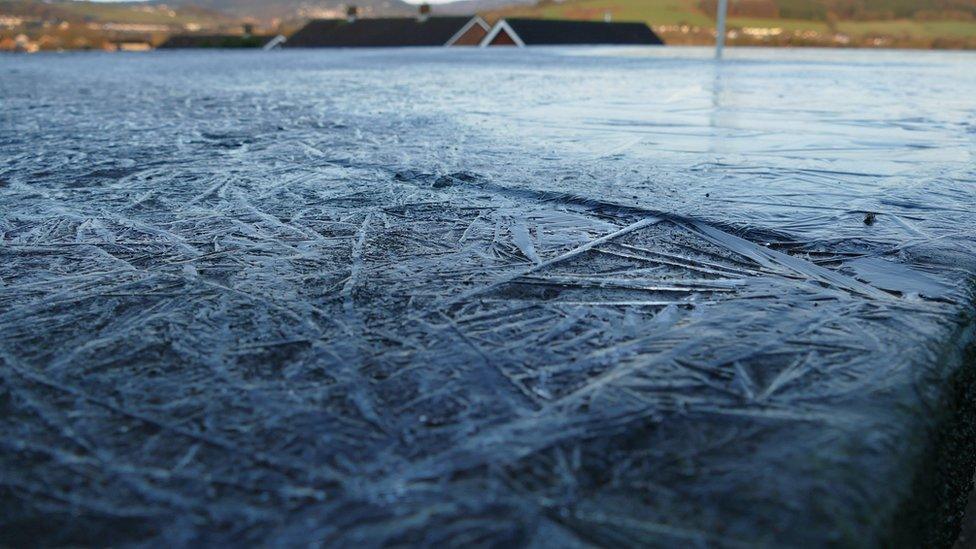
(475,20)
(502,25)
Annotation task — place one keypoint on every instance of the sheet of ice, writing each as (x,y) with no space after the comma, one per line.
(896,277)
(553,297)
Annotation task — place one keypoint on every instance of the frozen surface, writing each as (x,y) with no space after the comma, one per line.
(551,297)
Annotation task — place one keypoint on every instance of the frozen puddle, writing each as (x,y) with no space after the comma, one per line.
(617,297)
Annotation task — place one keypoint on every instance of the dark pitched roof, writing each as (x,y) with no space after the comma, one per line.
(377,33)
(214,41)
(311,34)
(538,32)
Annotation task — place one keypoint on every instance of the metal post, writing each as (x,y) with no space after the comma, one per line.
(723,7)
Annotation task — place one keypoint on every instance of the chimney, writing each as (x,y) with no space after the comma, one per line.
(423,12)
(607,17)
(351,12)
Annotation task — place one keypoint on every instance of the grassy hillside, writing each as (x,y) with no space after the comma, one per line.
(656,12)
(105,12)
(57,25)
(138,13)
(286,9)
(891,23)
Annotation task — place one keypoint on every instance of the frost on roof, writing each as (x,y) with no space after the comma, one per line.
(362,298)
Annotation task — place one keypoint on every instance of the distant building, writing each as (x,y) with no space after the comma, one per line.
(8,44)
(554,32)
(10,21)
(132,45)
(23,44)
(423,30)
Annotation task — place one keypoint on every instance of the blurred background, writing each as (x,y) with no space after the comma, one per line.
(52,25)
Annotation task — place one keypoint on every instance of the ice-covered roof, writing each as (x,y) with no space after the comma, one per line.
(618,297)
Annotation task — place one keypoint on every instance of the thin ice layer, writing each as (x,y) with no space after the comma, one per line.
(471,297)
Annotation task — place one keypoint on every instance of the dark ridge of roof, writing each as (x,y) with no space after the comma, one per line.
(377,33)
(214,41)
(540,32)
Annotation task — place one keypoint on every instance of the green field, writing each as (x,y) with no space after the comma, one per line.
(921,33)
(785,24)
(104,12)
(656,12)
(930,29)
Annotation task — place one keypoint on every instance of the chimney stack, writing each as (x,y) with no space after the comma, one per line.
(423,12)
(351,13)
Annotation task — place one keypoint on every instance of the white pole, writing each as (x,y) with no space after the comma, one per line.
(723,6)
